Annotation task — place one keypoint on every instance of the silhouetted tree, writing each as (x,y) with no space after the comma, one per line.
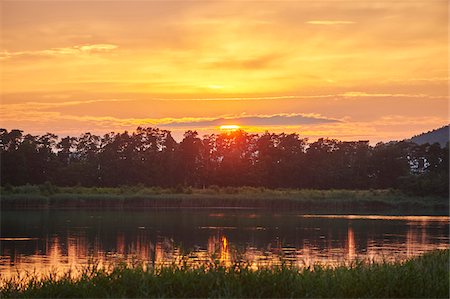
(151,156)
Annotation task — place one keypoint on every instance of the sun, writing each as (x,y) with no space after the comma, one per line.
(229,128)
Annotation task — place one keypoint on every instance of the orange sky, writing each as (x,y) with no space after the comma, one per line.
(363,69)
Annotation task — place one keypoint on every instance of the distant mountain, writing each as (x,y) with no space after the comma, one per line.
(440,136)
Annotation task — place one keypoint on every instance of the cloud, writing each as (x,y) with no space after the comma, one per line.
(74,50)
(348,94)
(415,80)
(362,94)
(28,106)
(389,121)
(387,127)
(329,22)
(254,120)
(45,112)
(41,112)
(205,122)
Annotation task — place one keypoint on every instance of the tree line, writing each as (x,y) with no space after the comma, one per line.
(151,156)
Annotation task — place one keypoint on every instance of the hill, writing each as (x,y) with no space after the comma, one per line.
(440,136)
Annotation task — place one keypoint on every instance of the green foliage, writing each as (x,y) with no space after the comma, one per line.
(231,190)
(8,187)
(237,197)
(214,188)
(422,277)
(48,188)
(27,189)
(429,184)
(178,189)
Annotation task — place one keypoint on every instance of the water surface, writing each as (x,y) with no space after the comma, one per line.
(58,240)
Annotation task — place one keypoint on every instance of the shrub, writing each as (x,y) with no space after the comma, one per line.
(48,188)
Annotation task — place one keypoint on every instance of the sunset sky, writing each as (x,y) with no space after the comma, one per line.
(367,69)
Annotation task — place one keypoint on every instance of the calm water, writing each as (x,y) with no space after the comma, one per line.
(55,240)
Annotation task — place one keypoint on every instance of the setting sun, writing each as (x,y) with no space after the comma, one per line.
(229,128)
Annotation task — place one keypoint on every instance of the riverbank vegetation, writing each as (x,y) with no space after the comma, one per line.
(423,277)
(152,158)
(49,196)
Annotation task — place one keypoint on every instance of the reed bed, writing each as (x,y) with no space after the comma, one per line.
(422,277)
(233,197)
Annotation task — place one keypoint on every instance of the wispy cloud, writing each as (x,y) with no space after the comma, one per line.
(348,94)
(74,50)
(362,94)
(329,22)
(38,112)
(313,126)
(48,105)
(255,120)
(415,80)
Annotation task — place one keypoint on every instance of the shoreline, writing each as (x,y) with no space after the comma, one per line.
(345,201)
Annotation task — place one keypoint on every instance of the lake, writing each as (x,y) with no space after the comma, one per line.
(57,240)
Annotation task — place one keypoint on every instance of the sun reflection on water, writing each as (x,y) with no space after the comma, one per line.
(350,243)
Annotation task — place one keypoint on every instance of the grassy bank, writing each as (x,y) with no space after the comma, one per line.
(425,277)
(45,196)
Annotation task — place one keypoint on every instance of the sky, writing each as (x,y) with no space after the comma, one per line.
(350,70)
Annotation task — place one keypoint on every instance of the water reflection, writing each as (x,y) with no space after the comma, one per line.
(350,244)
(45,243)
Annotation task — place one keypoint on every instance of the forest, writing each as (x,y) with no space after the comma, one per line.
(151,157)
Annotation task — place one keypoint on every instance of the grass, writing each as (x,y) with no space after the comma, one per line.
(233,197)
(423,277)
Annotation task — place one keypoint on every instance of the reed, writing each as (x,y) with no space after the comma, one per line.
(423,277)
(213,197)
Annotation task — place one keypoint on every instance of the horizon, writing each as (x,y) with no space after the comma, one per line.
(224,129)
(340,70)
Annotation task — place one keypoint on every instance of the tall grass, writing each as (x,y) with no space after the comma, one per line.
(214,196)
(424,277)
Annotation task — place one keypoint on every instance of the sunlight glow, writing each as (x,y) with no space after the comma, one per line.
(215,86)
(88,70)
(229,128)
